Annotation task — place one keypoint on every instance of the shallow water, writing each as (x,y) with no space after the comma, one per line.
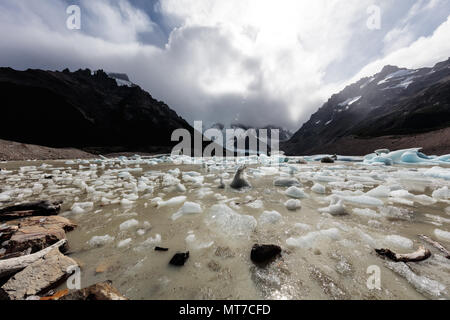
(330,265)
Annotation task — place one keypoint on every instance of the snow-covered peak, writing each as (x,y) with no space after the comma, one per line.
(122,79)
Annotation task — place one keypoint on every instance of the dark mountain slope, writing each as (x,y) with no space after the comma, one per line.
(83,110)
(393,102)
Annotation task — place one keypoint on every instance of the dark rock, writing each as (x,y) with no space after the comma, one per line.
(40,208)
(239,181)
(262,254)
(161,249)
(327,160)
(179,259)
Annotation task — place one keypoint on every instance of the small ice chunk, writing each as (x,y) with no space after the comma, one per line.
(425,200)
(441,194)
(180,188)
(295,193)
(402,194)
(309,240)
(368,213)
(226,221)
(195,244)
(152,241)
(86,206)
(293,204)
(399,241)
(421,283)
(318,188)
(438,172)
(129,224)
(303,226)
(442,234)
(269,217)
(257,204)
(286,182)
(363,200)
(379,192)
(126,203)
(336,207)
(124,243)
(4,197)
(77,210)
(188,208)
(98,241)
(396,213)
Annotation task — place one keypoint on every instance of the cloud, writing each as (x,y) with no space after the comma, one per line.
(425,51)
(257,62)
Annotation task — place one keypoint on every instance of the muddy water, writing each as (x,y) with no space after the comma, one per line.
(327,268)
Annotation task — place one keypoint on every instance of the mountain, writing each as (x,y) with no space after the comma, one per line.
(231,144)
(93,111)
(396,108)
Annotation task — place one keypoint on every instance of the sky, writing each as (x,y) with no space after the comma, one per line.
(255,62)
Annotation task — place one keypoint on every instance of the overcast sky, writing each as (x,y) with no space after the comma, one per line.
(257,62)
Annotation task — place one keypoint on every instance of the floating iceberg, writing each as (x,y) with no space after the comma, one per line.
(293,204)
(309,240)
(296,193)
(270,217)
(408,156)
(228,222)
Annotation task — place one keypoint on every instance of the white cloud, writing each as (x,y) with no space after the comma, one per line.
(258,61)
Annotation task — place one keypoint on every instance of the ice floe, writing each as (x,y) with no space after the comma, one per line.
(445,235)
(296,193)
(228,222)
(132,223)
(421,283)
(308,241)
(188,208)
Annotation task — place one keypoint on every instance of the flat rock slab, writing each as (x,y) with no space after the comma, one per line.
(99,291)
(40,208)
(38,277)
(37,233)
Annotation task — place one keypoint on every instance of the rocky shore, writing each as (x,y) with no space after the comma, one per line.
(32,260)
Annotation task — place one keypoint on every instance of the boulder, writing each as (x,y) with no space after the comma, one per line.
(99,291)
(40,208)
(39,277)
(263,254)
(327,160)
(239,180)
(179,259)
(37,233)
